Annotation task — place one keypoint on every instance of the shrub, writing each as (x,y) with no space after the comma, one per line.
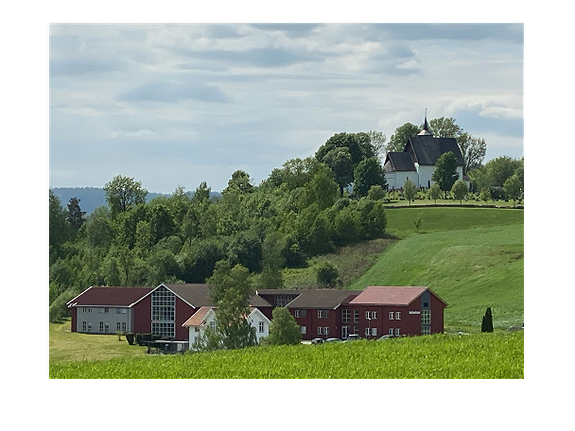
(326,275)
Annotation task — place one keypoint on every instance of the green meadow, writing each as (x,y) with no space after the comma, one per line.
(477,356)
(471,257)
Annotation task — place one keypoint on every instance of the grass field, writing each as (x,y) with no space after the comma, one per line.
(72,346)
(478,356)
(472,258)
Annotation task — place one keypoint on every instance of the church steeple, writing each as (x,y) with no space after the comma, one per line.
(425,130)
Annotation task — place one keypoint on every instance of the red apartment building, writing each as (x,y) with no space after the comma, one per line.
(324,313)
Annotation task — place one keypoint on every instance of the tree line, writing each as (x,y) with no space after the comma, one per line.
(299,211)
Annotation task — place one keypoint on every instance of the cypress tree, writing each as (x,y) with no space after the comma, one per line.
(487,321)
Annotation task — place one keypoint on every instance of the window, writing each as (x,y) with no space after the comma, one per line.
(300,313)
(397,332)
(344,332)
(355,330)
(345,316)
(196,329)
(283,300)
(106,327)
(355,316)
(390,331)
(303,329)
(371,331)
(425,330)
(213,325)
(322,330)
(104,310)
(120,310)
(371,315)
(322,314)
(84,326)
(426,304)
(425,317)
(86,310)
(163,313)
(101,326)
(391,315)
(120,326)
(398,315)
(261,327)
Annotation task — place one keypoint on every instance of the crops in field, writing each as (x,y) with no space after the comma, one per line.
(475,356)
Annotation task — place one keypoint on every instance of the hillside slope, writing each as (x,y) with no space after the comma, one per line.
(470,269)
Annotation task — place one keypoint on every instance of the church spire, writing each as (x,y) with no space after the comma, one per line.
(425,130)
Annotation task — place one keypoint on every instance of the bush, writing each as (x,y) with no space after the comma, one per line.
(327,275)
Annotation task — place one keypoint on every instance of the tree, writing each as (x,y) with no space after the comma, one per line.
(284,329)
(501,168)
(358,145)
(445,173)
(58,229)
(339,161)
(409,190)
(321,189)
(326,275)
(472,150)
(485,195)
(434,192)
(377,142)
(445,127)
(202,194)
(487,321)
(513,188)
(400,136)
(239,183)
(459,190)
(75,215)
(230,289)
(369,172)
(272,262)
(376,193)
(123,193)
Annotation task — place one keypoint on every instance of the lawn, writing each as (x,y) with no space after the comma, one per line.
(469,269)
(477,356)
(72,346)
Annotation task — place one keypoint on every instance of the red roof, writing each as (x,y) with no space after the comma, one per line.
(389,295)
(198,317)
(109,296)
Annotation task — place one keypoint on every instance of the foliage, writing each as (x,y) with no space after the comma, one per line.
(400,136)
(284,330)
(327,275)
(123,193)
(75,215)
(376,193)
(459,190)
(487,321)
(434,192)
(230,289)
(445,173)
(368,173)
(409,190)
(513,188)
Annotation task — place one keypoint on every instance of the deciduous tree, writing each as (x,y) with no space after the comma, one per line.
(284,329)
(123,193)
(459,190)
(409,190)
(369,172)
(445,173)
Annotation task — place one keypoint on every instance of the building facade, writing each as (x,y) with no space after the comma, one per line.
(181,311)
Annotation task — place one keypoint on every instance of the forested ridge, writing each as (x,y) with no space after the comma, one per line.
(301,210)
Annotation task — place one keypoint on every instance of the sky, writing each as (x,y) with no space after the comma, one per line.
(175,105)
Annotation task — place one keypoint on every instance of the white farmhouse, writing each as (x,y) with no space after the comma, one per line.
(418,158)
(207,317)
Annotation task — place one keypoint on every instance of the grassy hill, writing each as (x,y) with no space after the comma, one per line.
(472,258)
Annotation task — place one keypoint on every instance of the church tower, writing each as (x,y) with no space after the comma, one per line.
(425,130)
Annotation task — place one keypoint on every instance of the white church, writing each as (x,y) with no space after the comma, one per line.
(418,158)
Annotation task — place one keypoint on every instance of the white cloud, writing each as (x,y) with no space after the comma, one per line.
(256,96)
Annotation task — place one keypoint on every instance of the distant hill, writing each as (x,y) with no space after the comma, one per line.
(93,197)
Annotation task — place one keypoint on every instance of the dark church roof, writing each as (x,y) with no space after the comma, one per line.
(400,161)
(427,149)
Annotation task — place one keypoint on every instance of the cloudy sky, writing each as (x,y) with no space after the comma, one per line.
(175,105)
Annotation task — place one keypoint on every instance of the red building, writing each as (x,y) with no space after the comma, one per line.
(324,313)
(394,310)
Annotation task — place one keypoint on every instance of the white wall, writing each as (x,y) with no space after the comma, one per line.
(425,173)
(95,316)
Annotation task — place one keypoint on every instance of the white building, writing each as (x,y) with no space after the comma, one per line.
(207,316)
(418,158)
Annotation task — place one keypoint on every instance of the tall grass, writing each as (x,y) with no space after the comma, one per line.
(477,356)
